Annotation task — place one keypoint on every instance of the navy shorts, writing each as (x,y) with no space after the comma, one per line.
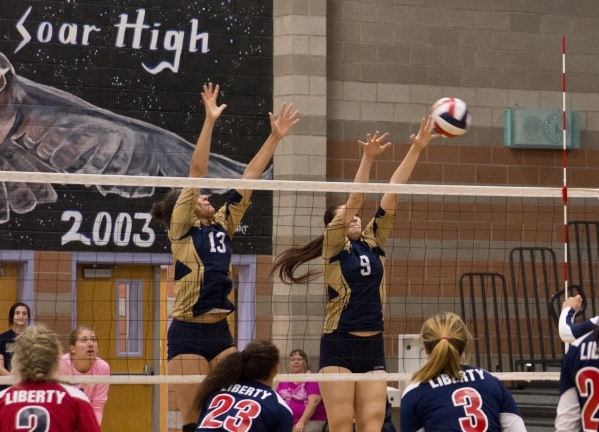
(356,353)
(206,340)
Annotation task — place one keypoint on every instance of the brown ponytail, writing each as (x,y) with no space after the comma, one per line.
(287,262)
(163,210)
(255,363)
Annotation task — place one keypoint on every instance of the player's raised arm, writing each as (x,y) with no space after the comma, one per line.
(371,148)
(569,331)
(279,126)
(404,170)
(199,159)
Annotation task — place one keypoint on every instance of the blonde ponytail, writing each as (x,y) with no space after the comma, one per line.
(445,338)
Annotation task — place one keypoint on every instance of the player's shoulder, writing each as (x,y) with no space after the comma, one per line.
(480,372)
(73,392)
(413,390)
(7,335)
(102,365)
(587,337)
(481,379)
(267,396)
(2,393)
(283,404)
(54,386)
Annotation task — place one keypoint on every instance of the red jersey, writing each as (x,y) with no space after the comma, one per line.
(46,406)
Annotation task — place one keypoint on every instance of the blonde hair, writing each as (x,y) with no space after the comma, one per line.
(445,338)
(36,354)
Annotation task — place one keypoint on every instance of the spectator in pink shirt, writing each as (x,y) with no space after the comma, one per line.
(83,359)
(303,398)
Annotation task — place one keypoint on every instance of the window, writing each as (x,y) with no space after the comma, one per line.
(129,319)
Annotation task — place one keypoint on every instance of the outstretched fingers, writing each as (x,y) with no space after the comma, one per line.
(286,113)
(210,91)
(209,97)
(286,119)
(430,126)
(375,145)
(424,133)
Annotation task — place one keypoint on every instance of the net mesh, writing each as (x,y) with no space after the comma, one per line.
(493,255)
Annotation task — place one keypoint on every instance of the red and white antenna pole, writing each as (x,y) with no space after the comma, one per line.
(565,186)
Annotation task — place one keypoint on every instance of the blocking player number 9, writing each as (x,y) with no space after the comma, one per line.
(469,399)
(33,419)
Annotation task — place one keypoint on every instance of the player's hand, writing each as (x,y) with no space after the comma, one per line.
(573,302)
(374,145)
(286,119)
(209,96)
(425,133)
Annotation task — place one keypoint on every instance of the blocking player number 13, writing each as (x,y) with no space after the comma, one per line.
(469,399)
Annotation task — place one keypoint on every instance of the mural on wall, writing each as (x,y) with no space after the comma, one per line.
(103,89)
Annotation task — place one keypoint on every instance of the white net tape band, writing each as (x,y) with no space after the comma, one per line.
(315,377)
(295,186)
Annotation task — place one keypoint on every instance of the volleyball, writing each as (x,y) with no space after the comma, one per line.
(451,117)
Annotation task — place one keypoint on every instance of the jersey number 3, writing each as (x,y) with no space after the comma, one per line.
(475,420)
(247,410)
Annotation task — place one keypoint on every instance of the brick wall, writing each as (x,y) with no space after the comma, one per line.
(387,63)
(53,298)
(437,239)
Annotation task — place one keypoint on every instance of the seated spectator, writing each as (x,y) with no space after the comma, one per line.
(303,398)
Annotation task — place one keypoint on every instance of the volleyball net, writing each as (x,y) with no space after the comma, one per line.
(493,255)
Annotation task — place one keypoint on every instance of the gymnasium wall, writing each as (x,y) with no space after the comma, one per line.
(104,87)
(386,63)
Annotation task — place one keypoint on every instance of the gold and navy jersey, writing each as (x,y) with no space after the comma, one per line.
(354,275)
(202,255)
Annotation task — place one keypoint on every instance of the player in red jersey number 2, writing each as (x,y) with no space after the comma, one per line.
(38,403)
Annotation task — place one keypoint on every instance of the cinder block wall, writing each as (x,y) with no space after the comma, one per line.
(387,62)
